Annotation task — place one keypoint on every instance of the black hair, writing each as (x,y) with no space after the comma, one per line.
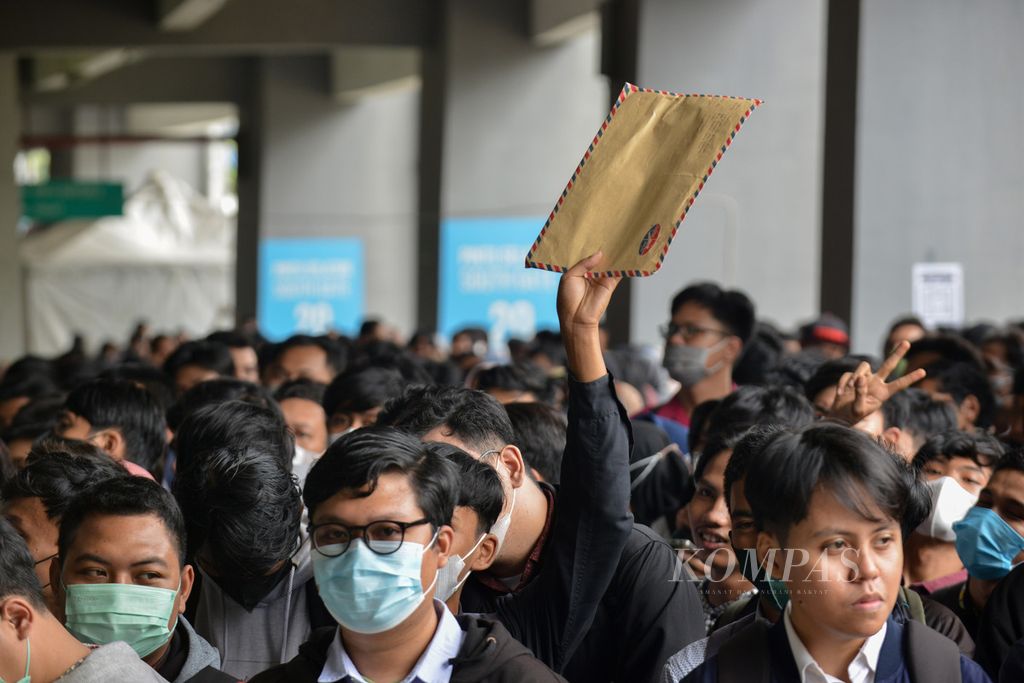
(1012,460)
(31,387)
(913,410)
(474,417)
(125,406)
(241,504)
(949,347)
(747,447)
(55,475)
(521,377)
(357,460)
(732,308)
(830,372)
(215,392)
(236,426)
(122,497)
(760,356)
(540,434)
(7,468)
(699,420)
(793,464)
(232,339)
(548,344)
(358,390)
(1018,382)
(303,388)
(152,379)
(17,568)
(751,405)
(479,485)
(795,370)
(335,352)
(35,419)
(961,380)
(981,448)
(717,444)
(900,322)
(209,355)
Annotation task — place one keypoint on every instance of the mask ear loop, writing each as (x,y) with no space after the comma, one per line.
(465,562)
(436,572)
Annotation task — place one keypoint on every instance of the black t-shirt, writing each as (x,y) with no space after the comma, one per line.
(177,654)
(958,599)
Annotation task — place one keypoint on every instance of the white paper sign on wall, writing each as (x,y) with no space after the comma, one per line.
(938,293)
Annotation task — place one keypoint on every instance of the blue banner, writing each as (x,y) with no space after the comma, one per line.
(310,286)
(485,284)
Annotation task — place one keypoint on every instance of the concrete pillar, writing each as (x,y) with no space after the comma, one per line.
(12,318)
(939,151)
(341,169)
(756,224)
(516,119)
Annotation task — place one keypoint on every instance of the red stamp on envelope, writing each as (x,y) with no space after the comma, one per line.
(650,239)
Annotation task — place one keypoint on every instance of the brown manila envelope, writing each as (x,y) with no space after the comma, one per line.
(637,180)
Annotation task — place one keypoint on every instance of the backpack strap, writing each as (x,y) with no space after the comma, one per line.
(745,658)
(913,603)
(931,656)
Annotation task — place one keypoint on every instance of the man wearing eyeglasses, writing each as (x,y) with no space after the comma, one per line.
(380,507)
(703,341)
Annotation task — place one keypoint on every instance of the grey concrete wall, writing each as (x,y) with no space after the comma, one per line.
(939,156)
(334,170)
(518,116)
(12,321)
(756,224)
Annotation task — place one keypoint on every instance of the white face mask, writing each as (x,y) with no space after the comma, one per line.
(501,526)
(448,581)
(950,504)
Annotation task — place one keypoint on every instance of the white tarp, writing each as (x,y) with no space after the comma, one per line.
(169,260)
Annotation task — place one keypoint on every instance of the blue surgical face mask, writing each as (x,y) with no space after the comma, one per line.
(371,593)
(986,544)
(28,661)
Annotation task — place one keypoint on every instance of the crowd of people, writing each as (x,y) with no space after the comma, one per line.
(759,506)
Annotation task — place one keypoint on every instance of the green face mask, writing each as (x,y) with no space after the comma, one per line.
(28,660)
(101,613)
(774,590)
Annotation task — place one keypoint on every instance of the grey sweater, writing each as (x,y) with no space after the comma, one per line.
(251,642)
(113,663)
(200,653)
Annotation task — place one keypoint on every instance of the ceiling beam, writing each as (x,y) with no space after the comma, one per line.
(239,27)
(185,15)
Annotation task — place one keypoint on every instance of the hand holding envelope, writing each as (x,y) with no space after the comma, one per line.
(637,180)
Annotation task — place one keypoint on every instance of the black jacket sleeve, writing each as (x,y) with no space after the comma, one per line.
(1002,623)
(590,527)
(653,611)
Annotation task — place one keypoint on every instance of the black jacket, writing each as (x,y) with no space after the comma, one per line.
(607,604)
(488,653)
(1002,623)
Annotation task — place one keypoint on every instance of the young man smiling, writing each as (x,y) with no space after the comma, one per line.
(827,509)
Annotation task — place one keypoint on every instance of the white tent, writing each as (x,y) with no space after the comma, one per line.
(169,260)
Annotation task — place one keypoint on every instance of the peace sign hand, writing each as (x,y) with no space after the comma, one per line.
(861,392)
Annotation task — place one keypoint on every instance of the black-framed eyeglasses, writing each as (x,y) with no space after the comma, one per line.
(383,537)
(688,331)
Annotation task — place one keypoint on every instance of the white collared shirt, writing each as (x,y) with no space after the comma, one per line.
(861,670)
(434,665)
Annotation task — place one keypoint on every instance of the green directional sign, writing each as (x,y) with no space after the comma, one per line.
(62,199)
